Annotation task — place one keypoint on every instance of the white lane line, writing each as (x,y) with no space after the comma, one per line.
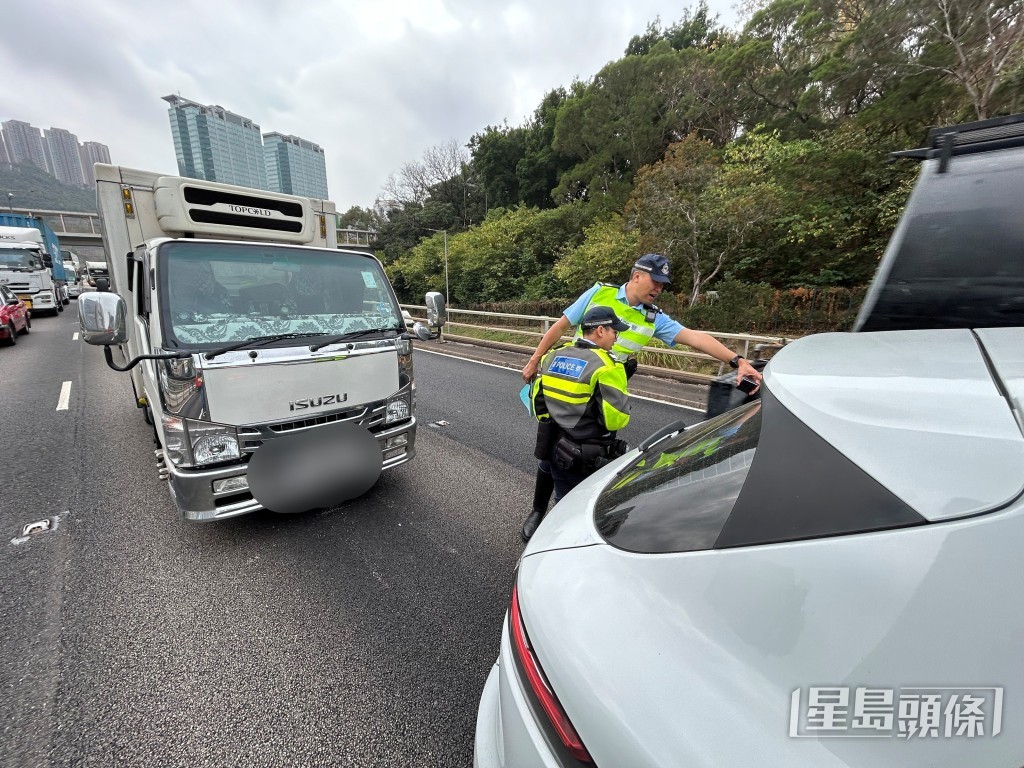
(65,396)
(75,337)
(507,368)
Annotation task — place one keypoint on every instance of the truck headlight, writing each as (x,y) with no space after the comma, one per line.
(191,443)
(212,442)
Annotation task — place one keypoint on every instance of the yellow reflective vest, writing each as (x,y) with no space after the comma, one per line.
(641,323)
(583,389)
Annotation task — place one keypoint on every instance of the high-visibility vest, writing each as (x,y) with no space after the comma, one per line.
(641,329)
(583,389)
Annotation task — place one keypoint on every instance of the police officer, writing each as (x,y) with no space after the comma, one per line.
(633,303)
(580,400)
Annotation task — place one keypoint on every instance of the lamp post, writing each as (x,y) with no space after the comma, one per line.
(10,203)
(447,295)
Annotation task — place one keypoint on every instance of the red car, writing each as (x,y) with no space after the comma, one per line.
(14,317)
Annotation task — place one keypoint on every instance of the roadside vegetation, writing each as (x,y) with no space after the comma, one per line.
(756,159)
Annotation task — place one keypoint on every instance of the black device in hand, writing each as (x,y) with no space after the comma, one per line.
(747,385)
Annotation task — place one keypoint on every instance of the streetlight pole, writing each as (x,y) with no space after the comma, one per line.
(10,199)
(447,294)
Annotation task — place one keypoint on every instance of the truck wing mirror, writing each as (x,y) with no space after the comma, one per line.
(102,318)
(436,315)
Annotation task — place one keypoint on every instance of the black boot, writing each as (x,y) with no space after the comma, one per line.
(542,491)
(531,523)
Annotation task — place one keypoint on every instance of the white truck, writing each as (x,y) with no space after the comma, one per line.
(23,269)
(276,369)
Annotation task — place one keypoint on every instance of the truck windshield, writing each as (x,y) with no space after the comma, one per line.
(213,293)
(11,258)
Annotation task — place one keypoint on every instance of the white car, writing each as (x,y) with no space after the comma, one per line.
(831,576)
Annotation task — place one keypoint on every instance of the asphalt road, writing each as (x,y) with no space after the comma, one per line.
(357,636)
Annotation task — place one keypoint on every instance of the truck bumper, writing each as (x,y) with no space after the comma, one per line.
(193,493)
(40,302)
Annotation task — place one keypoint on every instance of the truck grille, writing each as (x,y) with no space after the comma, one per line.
(370,416)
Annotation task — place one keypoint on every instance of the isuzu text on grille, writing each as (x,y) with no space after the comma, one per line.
(316,402)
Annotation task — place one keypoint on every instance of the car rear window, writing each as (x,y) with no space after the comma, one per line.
(678,498)
(754,475)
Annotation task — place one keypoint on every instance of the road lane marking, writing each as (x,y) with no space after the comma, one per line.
(508,368)
(75,337)
(65,396)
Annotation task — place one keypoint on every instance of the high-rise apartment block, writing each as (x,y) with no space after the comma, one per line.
(213,143)
(92,152)
(65,161)
(54,150)
(25,144)
(295,166)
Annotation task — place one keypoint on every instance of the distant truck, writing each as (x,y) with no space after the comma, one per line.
(276,369)
(31,264)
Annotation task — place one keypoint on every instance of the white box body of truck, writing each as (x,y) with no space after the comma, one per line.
(266,335)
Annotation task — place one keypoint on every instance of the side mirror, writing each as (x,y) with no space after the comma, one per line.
(102,319)
(102,283)
(436,315)
(421,331)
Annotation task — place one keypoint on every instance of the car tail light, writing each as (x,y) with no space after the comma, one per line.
(539,684)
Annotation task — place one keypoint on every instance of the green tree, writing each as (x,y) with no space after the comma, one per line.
(692,209)
(621,121)
(604,255)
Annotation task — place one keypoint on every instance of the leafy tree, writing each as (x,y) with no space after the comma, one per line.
(542,165)
(983,41)
(695,29)
(605,255)
(359,218)
(690,208)
(835,202)
(623,120)
(496,153)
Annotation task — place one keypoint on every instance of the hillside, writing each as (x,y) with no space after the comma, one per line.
(32,188)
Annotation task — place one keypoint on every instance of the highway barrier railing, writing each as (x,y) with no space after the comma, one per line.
(520,333)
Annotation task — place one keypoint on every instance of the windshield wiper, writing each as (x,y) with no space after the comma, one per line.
(256,341)
(349,336)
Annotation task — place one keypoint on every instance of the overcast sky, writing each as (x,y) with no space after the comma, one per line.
(373,82)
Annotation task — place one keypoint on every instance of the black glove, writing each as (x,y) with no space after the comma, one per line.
(630,366)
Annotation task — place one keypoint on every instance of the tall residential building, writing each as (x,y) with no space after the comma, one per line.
(65,162)
(25,144)
(214,144)
(92,152)
(295,166)
(4,157)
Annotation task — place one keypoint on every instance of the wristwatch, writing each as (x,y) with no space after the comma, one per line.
(735,362)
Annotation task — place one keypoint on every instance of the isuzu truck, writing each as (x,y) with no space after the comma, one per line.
(276,369)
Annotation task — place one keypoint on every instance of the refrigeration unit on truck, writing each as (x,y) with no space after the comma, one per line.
(27,265)
(275,368)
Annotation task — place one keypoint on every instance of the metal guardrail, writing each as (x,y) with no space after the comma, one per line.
(748,340)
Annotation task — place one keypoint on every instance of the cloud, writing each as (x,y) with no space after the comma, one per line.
(373,82)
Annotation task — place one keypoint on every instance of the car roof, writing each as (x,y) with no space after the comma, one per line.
(933,415)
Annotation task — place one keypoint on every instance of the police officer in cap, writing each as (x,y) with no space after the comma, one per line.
(580,401)
(633,303)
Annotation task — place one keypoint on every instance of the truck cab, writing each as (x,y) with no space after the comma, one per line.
(251,340)
(23,271)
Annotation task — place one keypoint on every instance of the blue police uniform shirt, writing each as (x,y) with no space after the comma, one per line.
(665,328)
